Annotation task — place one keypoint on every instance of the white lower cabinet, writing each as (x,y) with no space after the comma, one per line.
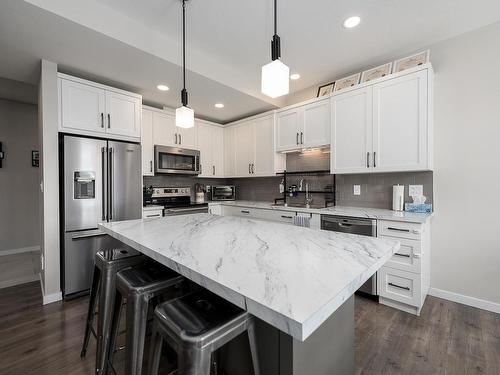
(404,281)
(215,209)
(149,213)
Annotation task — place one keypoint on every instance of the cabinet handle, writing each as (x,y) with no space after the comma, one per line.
(180,139)
(245,212)
(301,138)
(399,286)
(374,159)
(403,255)
(398,229)
(213,169)
(102,120)
(175,138)
(109,121)
(367,160)
(286,217)
(201,168)
(156,215)
(151,165)
(297,139)
(249,168)
(253,168)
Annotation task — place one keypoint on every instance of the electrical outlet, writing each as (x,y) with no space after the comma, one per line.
(414,190)
(356,189)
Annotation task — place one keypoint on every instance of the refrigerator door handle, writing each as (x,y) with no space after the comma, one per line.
(110,183)
(103,166)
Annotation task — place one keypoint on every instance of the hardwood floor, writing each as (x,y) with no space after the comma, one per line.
(448,338)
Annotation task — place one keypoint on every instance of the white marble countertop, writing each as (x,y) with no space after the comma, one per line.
(291,277)
(372,213)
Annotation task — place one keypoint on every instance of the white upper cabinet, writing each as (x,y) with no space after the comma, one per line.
(264,154)
(351,131)
(384,127)
(164,128)
(211,147)
(147,143)
(186,138)
(90,108)
(244,148)
(229,151)
(304,126)
(400,124)
(82,107)
(123,114)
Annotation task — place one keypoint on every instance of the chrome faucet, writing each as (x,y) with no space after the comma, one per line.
(308,196)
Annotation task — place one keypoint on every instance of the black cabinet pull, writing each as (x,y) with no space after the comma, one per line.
(374,159)
(398,229)
(297,138)
(399,286)
(403,255)
(102,120)
(301,138)
(367,160)
(151,165)
(109,121)
(245,212)
(286,217)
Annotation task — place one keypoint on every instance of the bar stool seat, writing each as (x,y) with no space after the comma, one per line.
(106,264)
(142,286)
(196,325)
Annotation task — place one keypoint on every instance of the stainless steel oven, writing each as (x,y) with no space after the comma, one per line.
(223,193)
(175,160)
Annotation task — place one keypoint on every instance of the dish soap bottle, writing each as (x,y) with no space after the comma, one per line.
(282,186)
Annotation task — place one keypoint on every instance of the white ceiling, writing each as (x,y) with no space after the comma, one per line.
(228,41)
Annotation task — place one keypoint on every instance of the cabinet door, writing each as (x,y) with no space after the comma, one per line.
(147,143)
(316,124)
(352,132)
(205,147)
(82,107)
(186,138)
(288,124)
(123,114)
(229,152)
(264,146)
(163,129)
(217,151)
(244,146)
(400,123)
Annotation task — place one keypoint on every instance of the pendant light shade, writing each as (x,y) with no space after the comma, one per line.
(275,75)
(184,116)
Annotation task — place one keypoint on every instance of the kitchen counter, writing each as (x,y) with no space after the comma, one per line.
(371,213)
(292,278)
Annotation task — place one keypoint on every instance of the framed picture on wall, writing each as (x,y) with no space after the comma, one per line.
(412,61)
(347,82)
(378,72)
(326,89)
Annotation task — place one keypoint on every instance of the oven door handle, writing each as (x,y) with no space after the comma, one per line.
(176,210)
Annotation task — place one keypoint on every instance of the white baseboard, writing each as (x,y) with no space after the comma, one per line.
(466,300)
(49,298)
(18,281)
(20,250)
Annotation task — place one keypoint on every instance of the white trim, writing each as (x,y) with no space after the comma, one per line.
(20,250)
(466,300)
(49,298)
(18,281)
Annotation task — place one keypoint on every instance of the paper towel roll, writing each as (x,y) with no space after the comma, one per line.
(398,197)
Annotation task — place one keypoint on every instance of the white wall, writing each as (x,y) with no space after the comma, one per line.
(465,241)
(49,176)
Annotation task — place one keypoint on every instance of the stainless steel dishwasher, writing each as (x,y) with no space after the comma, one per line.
(360,226)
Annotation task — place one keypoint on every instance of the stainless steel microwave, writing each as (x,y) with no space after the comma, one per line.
(223,193)
(175,160)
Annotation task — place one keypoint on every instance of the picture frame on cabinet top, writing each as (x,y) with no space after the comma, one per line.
(347,82)
(325,90)
(377,72)
(412,61)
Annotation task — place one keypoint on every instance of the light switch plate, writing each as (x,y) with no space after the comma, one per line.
(414,190)
(356,189)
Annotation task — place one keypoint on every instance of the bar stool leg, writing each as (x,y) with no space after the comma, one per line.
(252,339)
(106,299)
(155,354)
(115,328)
(137,318)
(194,361)
(94,292)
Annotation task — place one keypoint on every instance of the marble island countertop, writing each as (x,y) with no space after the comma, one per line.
(371,213)
(292,278)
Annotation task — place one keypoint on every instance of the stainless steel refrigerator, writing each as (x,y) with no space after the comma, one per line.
(101,181)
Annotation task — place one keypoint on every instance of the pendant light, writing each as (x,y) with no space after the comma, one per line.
(275,75)
(184,116)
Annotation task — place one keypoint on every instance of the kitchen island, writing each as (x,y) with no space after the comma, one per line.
(298,282)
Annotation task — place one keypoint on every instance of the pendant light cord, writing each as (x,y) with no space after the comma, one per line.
(275,17)
(184,94)
(275,43)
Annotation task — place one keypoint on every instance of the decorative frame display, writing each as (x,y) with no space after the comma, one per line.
(325,90)
(346,82)
(377,72)
(411,61)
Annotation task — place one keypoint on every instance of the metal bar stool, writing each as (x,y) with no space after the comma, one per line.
(196,325)
(141,285)
(106,264)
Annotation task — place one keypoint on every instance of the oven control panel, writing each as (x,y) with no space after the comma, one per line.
(162,192)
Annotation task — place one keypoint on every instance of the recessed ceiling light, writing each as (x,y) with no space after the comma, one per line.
(351,22)
(219,105)
(163,87)
(295,76)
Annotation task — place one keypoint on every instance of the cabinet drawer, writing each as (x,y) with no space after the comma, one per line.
(150,214)
(400,286)
(408,256)
(240,211)
(398,229)
(278,216)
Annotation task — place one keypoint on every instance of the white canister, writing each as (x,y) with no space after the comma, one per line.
(398,197)
(200,197)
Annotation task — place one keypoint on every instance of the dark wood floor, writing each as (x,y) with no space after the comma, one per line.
(448,338)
